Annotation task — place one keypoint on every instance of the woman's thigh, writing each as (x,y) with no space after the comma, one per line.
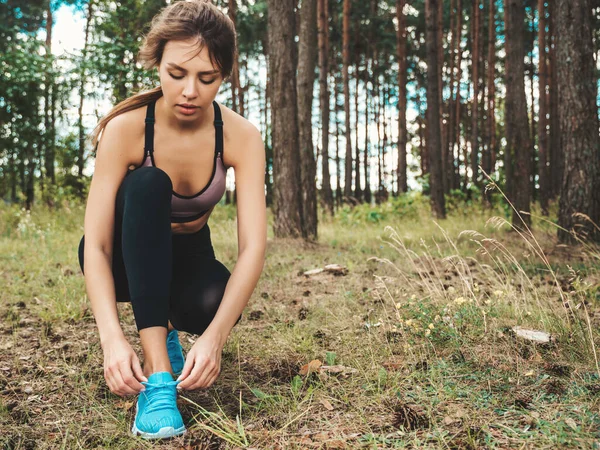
(197,288)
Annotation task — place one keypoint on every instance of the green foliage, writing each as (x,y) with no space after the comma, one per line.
(407,207)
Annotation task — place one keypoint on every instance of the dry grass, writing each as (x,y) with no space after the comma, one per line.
(419,329)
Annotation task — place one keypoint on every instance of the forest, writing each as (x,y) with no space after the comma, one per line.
(364,72)
(432,274)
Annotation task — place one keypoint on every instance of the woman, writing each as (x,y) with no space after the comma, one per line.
(160,170)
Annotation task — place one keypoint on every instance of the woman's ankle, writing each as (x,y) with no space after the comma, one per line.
(150,369)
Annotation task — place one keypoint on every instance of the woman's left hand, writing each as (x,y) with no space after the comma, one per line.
(202,364)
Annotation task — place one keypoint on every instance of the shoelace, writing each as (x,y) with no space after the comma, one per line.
(158,397)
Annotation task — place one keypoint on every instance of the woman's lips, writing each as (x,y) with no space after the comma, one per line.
(187,110)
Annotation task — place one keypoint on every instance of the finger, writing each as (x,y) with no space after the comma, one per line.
(137,369)
(109,382)
(192,378)
(206,375)
(122,388)
(130,381)
(209,370)
(187,368)
(212,380)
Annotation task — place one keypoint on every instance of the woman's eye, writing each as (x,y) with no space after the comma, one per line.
(202,81)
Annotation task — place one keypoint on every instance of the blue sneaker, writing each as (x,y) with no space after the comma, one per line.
(156,413)
(175,352)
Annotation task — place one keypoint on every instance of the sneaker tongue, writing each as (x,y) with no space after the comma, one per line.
(160,377)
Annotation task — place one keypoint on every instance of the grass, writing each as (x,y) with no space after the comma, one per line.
(415,346)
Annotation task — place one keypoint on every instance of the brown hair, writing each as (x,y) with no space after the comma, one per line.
(182,20)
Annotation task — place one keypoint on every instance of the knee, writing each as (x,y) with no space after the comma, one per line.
(148,182)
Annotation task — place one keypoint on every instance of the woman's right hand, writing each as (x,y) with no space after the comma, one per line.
(122,370)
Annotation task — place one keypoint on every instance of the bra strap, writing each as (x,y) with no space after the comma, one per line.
(149,139)
(218,129)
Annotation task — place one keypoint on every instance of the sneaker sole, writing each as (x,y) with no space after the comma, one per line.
(163,433)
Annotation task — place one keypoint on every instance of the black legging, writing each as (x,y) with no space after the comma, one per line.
(165,276)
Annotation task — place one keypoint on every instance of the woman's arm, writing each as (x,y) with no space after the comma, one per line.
(203,362)
(112,161)
(252,236)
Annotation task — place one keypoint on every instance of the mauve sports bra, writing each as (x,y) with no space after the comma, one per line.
(186,208)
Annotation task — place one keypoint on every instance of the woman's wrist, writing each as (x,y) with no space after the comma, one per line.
(109,336)
(217,335)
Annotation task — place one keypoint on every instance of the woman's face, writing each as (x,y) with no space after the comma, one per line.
(188,78)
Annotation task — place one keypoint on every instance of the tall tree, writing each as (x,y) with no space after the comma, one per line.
(577,90)
(346,63)
(49,101)
(489,161)
(235,73)
(476,33)
(543,110)
(286,155)
(518,145)
(323,41)
(82,82)
(433,112)
(402,81)
(306,78)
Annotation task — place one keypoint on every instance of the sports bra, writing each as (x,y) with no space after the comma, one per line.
(187,208)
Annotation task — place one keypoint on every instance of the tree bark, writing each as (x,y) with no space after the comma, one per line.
(554,145)
(235,73)
(346,63)
(82,81)
(475,24)
(357,179)
(402,81)
(577,90)
(489,162)
(517,123)
(433,112)
(307,55)
(366,156)
(49,101)
(457,115)
(542,120)
(323,42)
(286,154)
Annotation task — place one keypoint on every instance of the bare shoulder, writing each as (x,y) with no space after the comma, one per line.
(241,138)
(126,129)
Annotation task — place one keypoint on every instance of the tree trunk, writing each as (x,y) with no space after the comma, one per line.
(448,130)
(286,155)
(338,165)
(323,40)
(517,123)
(475,105)
(307,55)
(457,140)
(402,81)
(49,121)
(542,120)
(577,90)
(440,75)
(346,63)
(556,153)
(82,81)
(235,73)
(489,161)
(357,179)
(434,149)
